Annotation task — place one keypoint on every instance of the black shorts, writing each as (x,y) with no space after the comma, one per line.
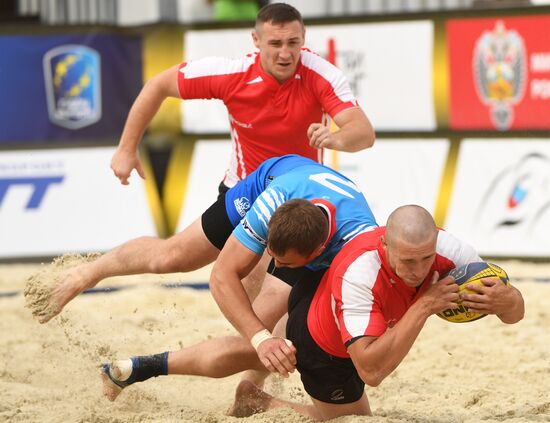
(215,223)
(326,378)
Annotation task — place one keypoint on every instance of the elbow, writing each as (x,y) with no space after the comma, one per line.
(512,318)
(368,140)
(515,313)
(371,377)
(371,139)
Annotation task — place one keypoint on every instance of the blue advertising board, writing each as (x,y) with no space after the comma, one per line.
(67,87)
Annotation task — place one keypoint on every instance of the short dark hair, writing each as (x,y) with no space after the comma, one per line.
(278,13)
(297,225)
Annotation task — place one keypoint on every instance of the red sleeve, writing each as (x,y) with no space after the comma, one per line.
(332,102)
(329,84)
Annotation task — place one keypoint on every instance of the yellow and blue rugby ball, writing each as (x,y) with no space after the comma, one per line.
(471,273)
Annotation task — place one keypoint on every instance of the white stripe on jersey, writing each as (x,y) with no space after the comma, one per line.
(261,218)
(455,250)
(279,196)
(217,66)
(357,297)
(267,203)
(267,197)
(333,308)
(263,213)
(360,229)
(329,72)
(237,152)
(231,177)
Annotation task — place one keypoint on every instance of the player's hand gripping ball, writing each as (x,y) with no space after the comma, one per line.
(471,274)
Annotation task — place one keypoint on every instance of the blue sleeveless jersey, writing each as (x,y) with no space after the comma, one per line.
(251,203)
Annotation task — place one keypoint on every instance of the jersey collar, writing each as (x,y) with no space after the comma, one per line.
(330,211)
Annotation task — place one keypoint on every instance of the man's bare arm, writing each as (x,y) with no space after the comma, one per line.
(146,105)
(376,358)
(233,264)
(355,132)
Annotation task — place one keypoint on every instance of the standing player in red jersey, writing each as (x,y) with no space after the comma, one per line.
(278,100)
(358,324)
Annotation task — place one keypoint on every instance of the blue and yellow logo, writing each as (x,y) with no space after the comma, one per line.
(73,86)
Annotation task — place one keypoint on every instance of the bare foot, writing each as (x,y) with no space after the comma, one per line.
(249,400)
(72,283)
(52,287)
(110,389)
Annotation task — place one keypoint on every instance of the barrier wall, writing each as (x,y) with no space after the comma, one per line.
(501,196)
(499,73)
(423,82)
(59,200)
(66,87)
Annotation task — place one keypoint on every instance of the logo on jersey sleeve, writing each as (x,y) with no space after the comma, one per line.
(242,205)
(252,233)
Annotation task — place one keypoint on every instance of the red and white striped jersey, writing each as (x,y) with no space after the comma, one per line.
(361,296)
(267,119)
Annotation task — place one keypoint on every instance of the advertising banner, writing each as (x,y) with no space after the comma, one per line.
(395,173)
(67,87)
(207,171)
(382,62)
(499,73)
(501,197)
(67,200)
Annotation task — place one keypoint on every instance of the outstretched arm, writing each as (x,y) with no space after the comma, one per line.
(233,264)
(375,358)
(146,105)
(355,132)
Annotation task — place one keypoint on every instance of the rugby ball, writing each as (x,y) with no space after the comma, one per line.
(471,273)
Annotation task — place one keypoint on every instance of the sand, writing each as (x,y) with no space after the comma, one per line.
(479,371)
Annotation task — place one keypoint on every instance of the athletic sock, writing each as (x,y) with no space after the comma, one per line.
(137,369)
(148,366)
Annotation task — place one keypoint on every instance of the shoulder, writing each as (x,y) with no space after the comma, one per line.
(319,66)
(455,250)
(359,262)
(215,66)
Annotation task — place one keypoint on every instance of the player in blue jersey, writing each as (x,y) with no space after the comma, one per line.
(303,212)
(201,243)
(347,214)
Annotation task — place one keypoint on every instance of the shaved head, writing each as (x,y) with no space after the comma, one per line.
(410,243)
(410,224)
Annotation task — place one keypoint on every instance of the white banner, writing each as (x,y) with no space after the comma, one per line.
(393,173)
(208,167)
(67,200)
(501,197)
(389,66)
(396,172)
